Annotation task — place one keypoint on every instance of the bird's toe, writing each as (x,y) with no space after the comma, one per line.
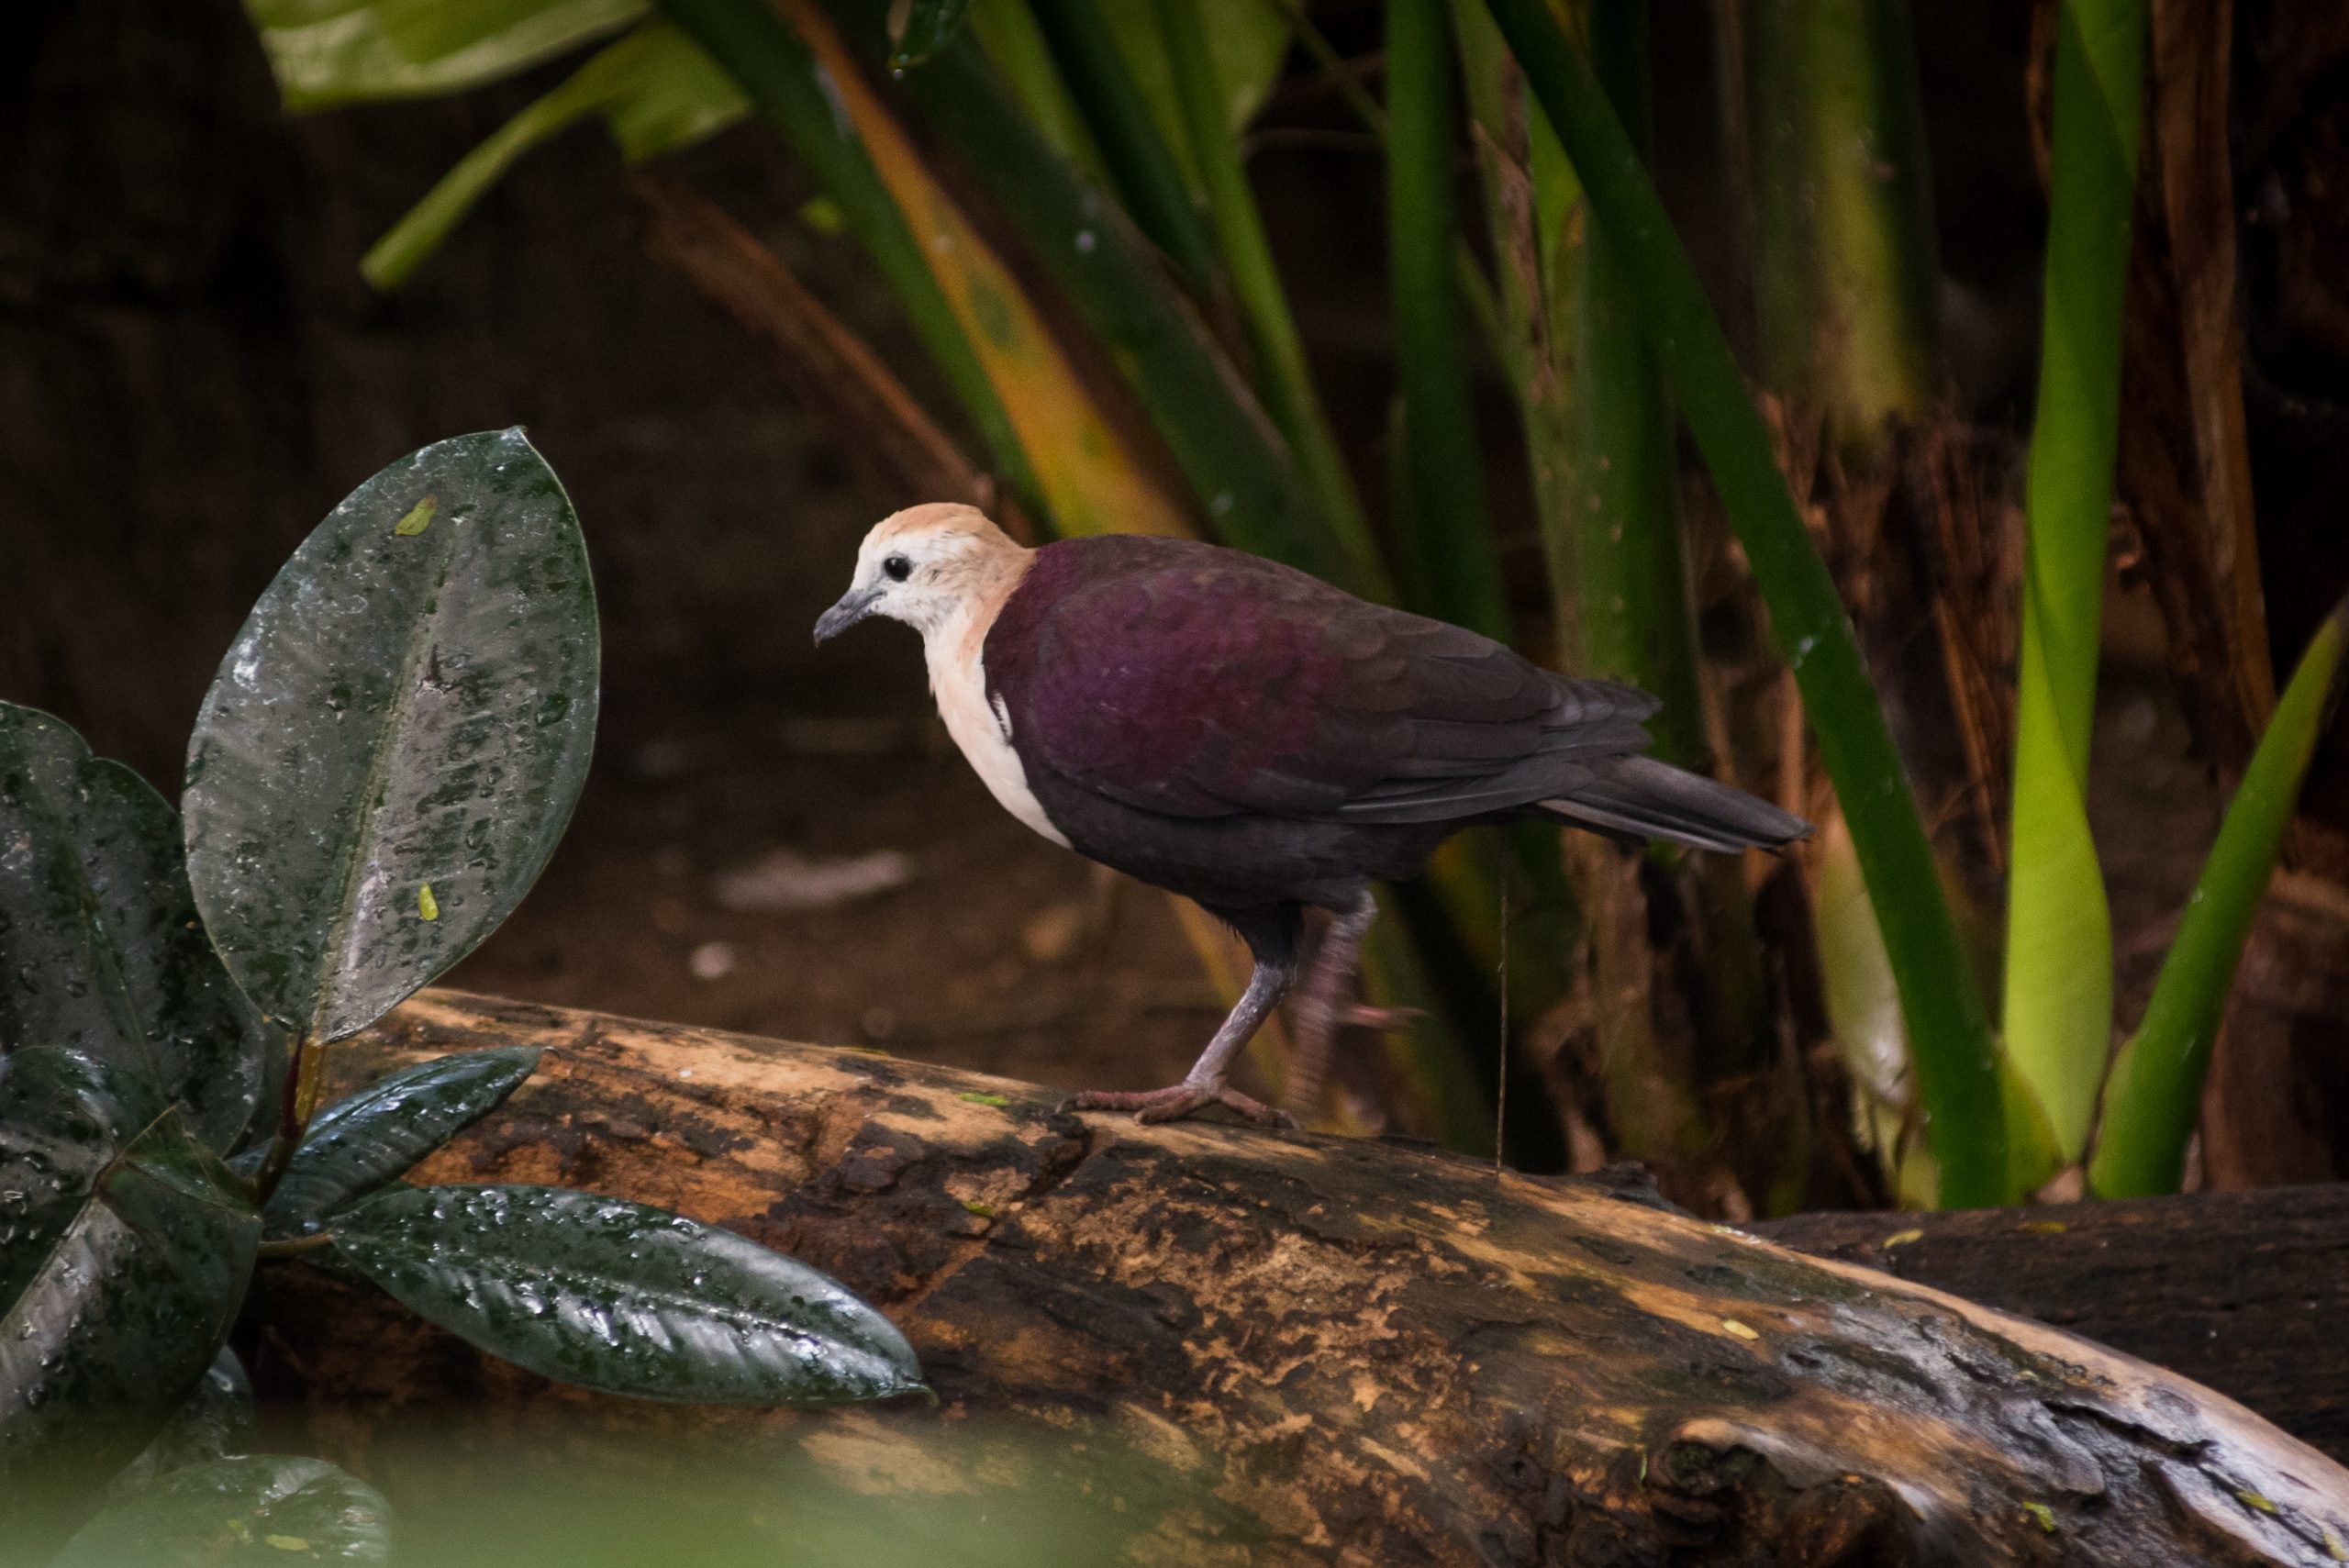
(1176,1102)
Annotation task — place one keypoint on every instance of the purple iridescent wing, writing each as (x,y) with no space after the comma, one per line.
(1199,682)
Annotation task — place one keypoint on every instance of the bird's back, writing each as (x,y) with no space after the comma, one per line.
(1192,683)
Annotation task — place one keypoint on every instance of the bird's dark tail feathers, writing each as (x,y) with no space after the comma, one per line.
(1639,797)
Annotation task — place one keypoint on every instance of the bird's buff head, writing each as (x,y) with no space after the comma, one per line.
(929,566)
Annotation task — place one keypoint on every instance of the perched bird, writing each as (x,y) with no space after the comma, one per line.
(1251,738)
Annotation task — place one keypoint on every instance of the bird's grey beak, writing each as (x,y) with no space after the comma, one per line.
(854,605)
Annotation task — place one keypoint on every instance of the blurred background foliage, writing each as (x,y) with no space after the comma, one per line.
(1867,383)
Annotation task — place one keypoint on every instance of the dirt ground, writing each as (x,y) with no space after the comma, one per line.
(1001,952)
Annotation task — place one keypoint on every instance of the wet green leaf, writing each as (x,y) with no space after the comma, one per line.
(395,711)
(126,1292)
(212,1422)
(919,29)
(632,1300)
(256,1509)
(100,948)
(326,52)
(358,1144)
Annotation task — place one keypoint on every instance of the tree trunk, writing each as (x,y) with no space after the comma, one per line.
(1365,1352)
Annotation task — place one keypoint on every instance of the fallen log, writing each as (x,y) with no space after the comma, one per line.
(1362,1353)
(2246,1292)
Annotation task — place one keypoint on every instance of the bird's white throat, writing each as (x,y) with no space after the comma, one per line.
(956,654)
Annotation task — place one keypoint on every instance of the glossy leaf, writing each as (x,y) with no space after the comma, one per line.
(398,711)
(100,948)
(2058,1019)
(919,29)
(261,1510)
(121,1292)
(357,1145)
(1957,1061)
(616,1296)
(2154,1093)
(657,92)
(326,52)
(216,1419)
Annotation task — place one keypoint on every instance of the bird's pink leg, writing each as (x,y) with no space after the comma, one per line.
(1204,1084)
(1327,1004)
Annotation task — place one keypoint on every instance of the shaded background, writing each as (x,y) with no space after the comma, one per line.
(192,373)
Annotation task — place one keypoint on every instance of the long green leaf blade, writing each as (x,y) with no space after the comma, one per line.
(1137,157)
(358,1144)
(1956,1060)
(776,69)
(394,741)
(100,948)
(1444,537)
(2155,1090)
(2058,1014)
(1284,377)
(260,1510)
(1229,453)
(630,1300)
(122,1285)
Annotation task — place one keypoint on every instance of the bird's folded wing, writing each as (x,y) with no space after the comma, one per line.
(1206,688)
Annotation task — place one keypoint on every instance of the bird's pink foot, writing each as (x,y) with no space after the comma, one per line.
(1176,1101)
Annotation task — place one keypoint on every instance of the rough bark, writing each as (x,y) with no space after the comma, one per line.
(1361,1352)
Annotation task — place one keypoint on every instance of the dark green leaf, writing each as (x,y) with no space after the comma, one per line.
(262,1509)
(616,1296)
(131,1289)
(100,948)
(215,1421)
(919,29)
(398,711)
(62,1118)
(358,1144)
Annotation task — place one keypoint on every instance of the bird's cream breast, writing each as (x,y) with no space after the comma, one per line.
(958,680)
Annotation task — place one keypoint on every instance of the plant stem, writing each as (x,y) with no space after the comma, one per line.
(1956,1060)
(2058,1012)
(297,1103)
(1845,249)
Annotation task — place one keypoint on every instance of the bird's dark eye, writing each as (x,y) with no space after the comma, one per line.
(897,568)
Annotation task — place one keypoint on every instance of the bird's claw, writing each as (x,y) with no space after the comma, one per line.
(1175,1102)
